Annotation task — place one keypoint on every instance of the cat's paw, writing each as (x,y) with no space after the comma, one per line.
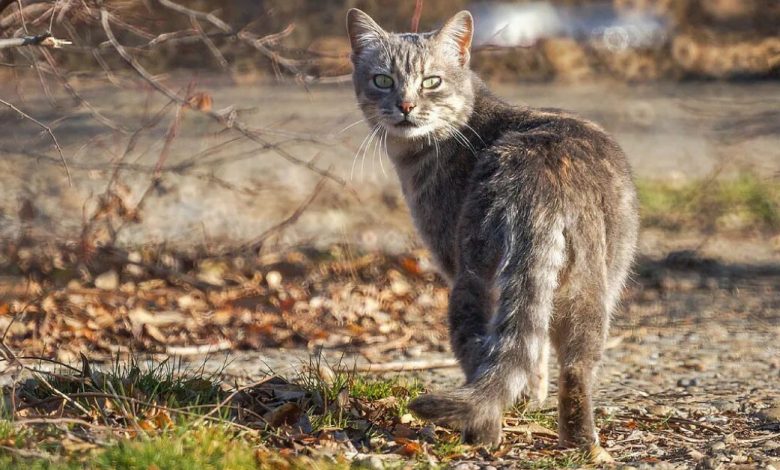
(487,433)
(483,424)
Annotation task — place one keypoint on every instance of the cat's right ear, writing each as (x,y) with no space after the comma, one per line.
(362,30)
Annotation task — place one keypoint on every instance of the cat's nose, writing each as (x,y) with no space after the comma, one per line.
(406,107)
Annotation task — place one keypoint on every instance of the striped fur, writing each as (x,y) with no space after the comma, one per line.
(530,214)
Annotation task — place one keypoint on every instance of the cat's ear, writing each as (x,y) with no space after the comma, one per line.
(456,34)
(362,30)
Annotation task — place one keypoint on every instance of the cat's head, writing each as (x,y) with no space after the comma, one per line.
(413,85)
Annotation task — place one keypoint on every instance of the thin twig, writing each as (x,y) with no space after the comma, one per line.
(48,130)
(229,121)
(257,243)
(405,365)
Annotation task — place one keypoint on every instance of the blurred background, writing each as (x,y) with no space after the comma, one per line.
(202,145)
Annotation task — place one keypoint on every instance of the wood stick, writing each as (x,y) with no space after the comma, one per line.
(403,366)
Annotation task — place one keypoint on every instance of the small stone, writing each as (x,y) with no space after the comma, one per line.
(414,351)
(489,467)
(660,410)
(466,466)
(274,279)
(696,455)
(769,415)
(771,445)
(407,418)
(688,382)
(400,287)
(718,446)
(371,462)
(109,280)
(726,406)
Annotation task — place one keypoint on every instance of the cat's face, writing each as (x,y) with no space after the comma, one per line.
(412,85)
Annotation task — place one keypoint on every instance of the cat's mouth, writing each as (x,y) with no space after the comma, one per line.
(405,124)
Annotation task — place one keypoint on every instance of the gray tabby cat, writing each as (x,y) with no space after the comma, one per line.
(530,214)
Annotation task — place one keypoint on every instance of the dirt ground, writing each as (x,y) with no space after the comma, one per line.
(691,378)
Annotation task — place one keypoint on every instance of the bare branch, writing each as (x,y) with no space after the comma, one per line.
(257,243)
(210,17)
(226,119)
(48,130)
(43,40)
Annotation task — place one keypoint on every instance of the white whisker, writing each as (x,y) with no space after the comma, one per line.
(366,149)
(382,165)
(355,158)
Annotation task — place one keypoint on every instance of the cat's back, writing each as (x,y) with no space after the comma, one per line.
(549,148)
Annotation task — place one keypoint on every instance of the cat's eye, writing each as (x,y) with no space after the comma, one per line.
(383,81)
(431,82)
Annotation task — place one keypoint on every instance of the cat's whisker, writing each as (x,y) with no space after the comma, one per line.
(460,138)
(350,126)
(475,132)
(436,145)
(382,165)
(376,148)
(355,158)
(366,149)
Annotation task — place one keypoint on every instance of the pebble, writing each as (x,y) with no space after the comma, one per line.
(371,462)
(274,279)
(109,280)
(771,445)
(660,410)
(688,382)
(466,466)
(718,446)
(726,406)
(769,415)
(696,455)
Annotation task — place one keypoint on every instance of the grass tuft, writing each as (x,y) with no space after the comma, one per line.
(744,203)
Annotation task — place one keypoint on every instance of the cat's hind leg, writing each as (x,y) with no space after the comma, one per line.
(501,362)
(579,333)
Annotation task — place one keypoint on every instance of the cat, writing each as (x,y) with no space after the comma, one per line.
(530,215)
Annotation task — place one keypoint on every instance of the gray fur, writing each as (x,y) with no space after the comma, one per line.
(530,214)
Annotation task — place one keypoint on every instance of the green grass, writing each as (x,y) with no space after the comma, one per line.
(571,459)
(205,447)
(546,418)
(747,202)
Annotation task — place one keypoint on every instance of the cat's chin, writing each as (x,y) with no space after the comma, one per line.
(410,132)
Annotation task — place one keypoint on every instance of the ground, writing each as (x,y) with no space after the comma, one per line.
(690,376)
(140,331)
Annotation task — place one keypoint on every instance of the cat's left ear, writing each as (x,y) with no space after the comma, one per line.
(457,33)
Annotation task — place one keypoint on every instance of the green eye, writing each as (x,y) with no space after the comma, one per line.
(383,81)
(431,82)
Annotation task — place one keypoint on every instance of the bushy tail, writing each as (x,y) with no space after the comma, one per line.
(516,348)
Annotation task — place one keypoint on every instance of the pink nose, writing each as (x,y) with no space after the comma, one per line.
(406,107)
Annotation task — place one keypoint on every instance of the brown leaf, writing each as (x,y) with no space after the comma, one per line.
(286,414)
(201,101)
(408,447)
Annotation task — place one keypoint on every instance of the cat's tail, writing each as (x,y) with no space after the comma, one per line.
(515,352)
